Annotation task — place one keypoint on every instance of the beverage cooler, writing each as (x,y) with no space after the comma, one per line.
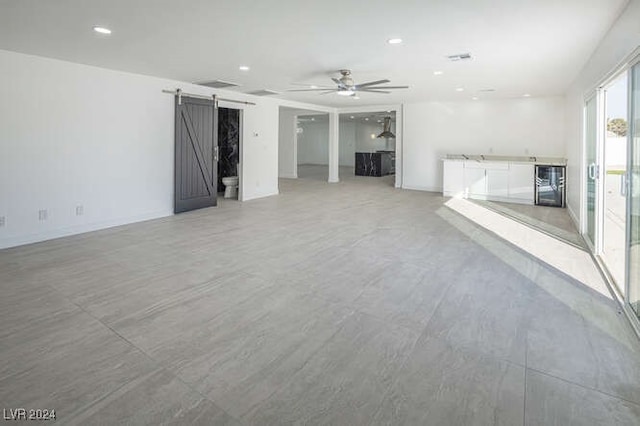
(550,186)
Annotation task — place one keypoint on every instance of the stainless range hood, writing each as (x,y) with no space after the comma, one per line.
(386,131)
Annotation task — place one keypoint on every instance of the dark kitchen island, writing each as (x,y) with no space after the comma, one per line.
(380,163)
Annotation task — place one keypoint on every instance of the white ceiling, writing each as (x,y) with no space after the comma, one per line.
(525,46)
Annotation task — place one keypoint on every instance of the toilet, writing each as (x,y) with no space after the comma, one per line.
(230,186)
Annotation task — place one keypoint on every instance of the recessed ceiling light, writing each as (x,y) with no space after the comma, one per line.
(475,98)
(243,68)
(313,86)
(352,117)
(102,30)
(438,72)
(366,119)
(313,119)
(394,41)
(460,89)
(526,95)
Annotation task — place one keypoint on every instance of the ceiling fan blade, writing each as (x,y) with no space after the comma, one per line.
(372,83)
(310,90)
(309,85)
(338,82)
(328,91)
(373,91)
(388,87)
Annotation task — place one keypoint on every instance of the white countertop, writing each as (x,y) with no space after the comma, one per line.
(552,161)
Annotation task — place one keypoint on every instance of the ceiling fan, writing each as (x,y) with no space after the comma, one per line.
(347,87)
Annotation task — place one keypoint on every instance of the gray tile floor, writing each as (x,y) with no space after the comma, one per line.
(349,304)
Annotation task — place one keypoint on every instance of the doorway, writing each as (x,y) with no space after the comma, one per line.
(312,140)
(229,140)
(368,146)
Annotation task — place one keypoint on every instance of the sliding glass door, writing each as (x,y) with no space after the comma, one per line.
(591,167)
(613,177)
(612,180)
(633,200)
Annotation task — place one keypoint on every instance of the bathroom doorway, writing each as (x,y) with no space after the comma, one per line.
(229,145)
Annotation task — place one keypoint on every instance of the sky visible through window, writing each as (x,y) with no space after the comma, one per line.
(617,98)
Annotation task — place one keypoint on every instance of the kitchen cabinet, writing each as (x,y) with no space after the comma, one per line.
(475,180)
(497,183)
(453,178)
(521,182)
(489,180)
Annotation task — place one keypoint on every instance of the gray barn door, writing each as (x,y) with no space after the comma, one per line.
(196,166)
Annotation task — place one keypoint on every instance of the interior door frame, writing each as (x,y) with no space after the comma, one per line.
(229,105)
(635,61)
(594,245)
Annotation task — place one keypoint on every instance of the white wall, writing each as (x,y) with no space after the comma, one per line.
(347,141)
(75,135)
(523,126)
(364,141)
(260,148)
(287,144)
(313,143)
(621,40)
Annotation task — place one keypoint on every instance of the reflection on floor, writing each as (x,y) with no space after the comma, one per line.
(347,174)
(553,221)
(351,304)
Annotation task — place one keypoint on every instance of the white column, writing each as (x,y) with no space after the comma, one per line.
(334,148)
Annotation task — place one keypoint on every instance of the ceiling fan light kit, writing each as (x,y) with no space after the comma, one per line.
(345,86)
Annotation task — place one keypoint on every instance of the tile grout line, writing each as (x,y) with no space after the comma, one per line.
(526,356)
(153,360)
(583,386)
(410,352)
(304,364)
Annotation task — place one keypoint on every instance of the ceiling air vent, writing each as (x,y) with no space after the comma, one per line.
(487,90)
(263,92)
(459,57)
(218,84)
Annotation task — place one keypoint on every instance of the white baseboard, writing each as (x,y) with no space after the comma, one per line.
(261,195)
(422,188)
(574,217)
(20,240)
(289,176)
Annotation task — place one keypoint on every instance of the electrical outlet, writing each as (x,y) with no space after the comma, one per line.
(42,214)
(79,210)
(3,221)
